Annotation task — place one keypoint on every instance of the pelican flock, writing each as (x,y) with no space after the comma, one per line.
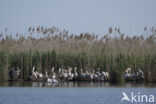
(131,76)
(71,74)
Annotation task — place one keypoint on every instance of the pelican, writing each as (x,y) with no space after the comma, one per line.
(140,74)
(107,75)
(87,75)
(70,75)
(100,76)
(53,79)
(128,71)
(75,72)
(91,76)
(95,76)
(63,75)
(49,80)
(59,71)
(75,75)
(54,76)
(33,72)
(104,74)
(52,70)
(46,74)
(83,75)
(40,75)
(129,76)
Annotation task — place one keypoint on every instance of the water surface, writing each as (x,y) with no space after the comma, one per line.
(69,93)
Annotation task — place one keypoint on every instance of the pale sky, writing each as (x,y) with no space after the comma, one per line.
(78,16)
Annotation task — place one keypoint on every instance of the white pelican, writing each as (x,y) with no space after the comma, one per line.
(53,79)
(75,73)
(49,80)
(83,75)
(40,75)
(52,70)
(70,75)
(95,76)
(33,72)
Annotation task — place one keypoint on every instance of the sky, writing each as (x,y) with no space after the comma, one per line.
(78,16)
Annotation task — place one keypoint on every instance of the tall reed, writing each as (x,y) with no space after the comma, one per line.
(45,47)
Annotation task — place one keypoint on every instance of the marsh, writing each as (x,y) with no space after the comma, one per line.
(77,52)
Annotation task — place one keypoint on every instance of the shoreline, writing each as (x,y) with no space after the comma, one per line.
(75,84)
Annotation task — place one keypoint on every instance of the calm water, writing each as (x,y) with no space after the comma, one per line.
(69,93)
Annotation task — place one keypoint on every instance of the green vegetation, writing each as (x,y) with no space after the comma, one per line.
(47,47)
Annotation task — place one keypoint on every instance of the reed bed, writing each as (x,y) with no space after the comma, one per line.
(45,47)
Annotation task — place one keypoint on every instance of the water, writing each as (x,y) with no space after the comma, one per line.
(69,93)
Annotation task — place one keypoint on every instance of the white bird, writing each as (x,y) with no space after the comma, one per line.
(49,80)
(91,76)
(54,76)
(141,72)
(33,72)
(46,74)
(104,73)
(107,75)
(75,72)
(70,74)
(82,74)
(59,71)
(52,70)
(53,80)
(95,76)
(40,75)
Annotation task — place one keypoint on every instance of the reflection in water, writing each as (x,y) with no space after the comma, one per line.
(74,84)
